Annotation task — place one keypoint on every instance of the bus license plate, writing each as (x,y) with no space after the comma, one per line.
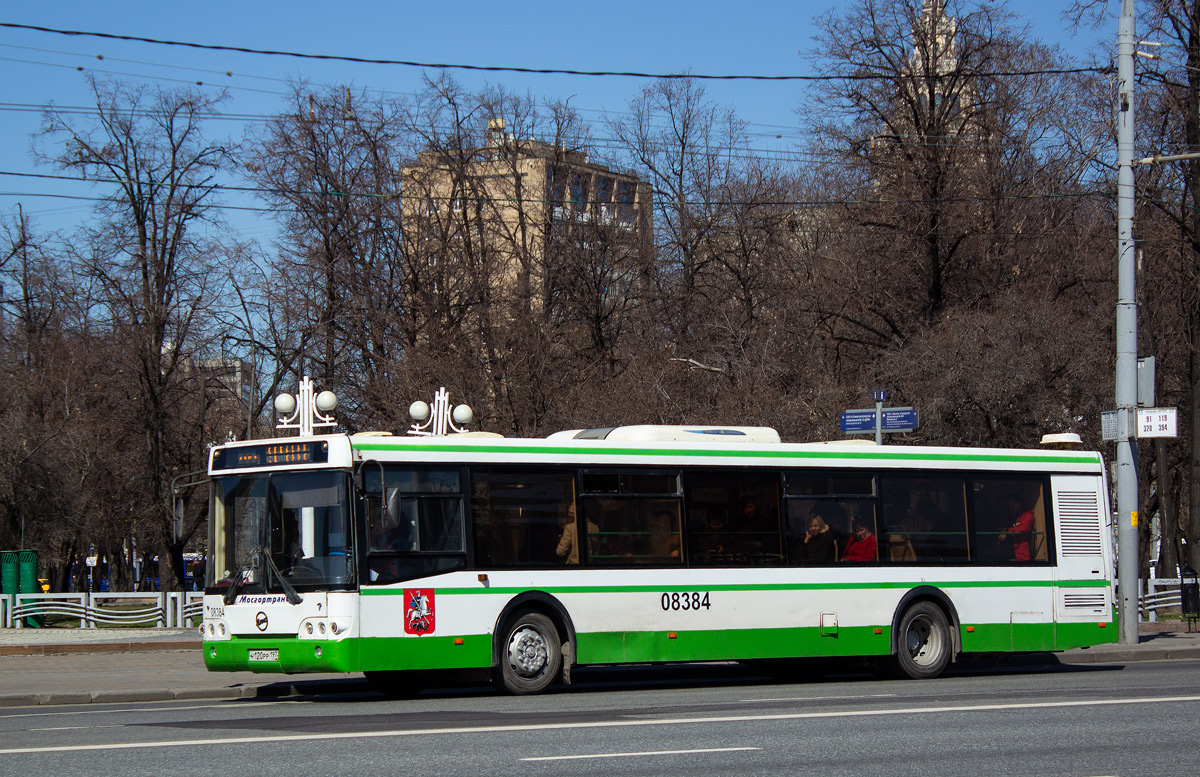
(264,655)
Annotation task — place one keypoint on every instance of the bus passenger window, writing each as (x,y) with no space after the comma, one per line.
(519,516)
(633,517)
(924,520)
(1010,520)
(733,518)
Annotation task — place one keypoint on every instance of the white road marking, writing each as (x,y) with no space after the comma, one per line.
(76,728)
(634,755)
(826,698)
(459,730)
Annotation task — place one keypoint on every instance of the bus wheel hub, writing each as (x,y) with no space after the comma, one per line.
(527,652)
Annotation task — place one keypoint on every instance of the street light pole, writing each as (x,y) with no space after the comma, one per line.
(1126,335)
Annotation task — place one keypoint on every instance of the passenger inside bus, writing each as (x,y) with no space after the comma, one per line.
(819,545)
(861,545)
(568,543)
(924,520)
(715,540)
(1019,534)
(663,544)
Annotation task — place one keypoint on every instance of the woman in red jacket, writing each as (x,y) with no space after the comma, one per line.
(861,545)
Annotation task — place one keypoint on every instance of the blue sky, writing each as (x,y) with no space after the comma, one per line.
(750,37)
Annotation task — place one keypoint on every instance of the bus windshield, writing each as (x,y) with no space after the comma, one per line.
(280,532)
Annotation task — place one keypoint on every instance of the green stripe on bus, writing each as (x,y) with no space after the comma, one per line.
(731,452)
(815,642)
(623,589)
(741,644)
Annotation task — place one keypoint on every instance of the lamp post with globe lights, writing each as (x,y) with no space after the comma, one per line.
(306,410)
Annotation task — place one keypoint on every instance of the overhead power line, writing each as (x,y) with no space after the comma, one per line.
(501,69)
(660,199)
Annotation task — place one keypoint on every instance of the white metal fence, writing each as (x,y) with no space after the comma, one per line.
(167,609)
(1159,594)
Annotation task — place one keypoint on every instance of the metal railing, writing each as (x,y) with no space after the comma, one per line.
(1156,594)
(167,609)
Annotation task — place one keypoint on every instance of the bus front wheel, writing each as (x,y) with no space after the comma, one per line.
(530,655)
(923,643)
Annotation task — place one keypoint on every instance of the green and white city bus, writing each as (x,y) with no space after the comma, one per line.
(394,556)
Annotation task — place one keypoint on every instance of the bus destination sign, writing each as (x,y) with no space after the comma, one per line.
(273,454)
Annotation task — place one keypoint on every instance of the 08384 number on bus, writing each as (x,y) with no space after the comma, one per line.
(694,600)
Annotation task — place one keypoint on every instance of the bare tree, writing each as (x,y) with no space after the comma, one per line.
(154,269)
(969,220)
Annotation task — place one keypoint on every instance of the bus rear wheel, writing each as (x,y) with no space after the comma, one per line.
(923,644)
(530,655)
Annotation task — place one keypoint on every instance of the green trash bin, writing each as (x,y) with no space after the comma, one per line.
(8,572)
(28,582)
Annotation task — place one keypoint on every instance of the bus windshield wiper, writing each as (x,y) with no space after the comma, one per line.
(239,577)
(288,590)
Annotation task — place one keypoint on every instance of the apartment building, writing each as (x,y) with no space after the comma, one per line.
(523,211)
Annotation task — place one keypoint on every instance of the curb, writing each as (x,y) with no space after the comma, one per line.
(279,690)
(1150,653)
(62,649)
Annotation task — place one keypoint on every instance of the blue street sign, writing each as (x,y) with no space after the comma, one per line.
(895,419)
(858,421)
(880,396)
(899,419)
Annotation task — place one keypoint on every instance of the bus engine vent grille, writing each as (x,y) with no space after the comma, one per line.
(1079,523)
(1086,601)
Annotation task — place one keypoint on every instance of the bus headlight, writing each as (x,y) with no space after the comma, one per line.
(213,630)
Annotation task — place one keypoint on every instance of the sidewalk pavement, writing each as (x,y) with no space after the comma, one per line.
(80,666)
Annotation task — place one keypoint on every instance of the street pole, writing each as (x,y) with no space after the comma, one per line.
(1126,336)
(880,398)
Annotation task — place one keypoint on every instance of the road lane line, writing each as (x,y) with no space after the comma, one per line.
(821,698)
(77,728)
(459,730)
(634,755)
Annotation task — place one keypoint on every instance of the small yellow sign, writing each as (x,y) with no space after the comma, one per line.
(1133,518)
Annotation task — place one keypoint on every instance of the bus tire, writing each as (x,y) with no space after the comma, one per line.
(530,655)
(923,642)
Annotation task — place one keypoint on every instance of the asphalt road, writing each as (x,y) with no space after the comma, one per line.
(1140,719)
